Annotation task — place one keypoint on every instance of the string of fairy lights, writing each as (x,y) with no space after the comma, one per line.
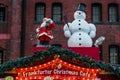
(31,73)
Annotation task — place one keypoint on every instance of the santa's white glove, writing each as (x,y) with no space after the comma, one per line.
(99,41)
(37,30)
(43,24)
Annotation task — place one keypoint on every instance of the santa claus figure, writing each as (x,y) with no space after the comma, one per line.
(44,31)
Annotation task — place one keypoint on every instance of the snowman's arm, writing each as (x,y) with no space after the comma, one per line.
(66,30)
(92,30)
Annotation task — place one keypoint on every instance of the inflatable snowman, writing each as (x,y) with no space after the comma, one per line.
(80,32)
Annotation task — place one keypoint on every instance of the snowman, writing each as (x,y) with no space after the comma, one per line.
(80,32)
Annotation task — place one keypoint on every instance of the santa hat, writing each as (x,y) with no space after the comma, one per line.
(45,19)
(81,7)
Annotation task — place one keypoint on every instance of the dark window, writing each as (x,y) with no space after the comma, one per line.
(96,12)
(39,12)
(1,56)
(113,13)
(113,54)
(101,54)
(57,12)
(2,13)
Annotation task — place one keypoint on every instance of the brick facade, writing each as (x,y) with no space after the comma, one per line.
(20,25)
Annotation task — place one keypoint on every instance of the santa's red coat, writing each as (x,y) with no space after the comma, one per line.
(45,33)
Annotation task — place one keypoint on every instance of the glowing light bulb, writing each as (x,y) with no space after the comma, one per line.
(83,78)
(21,69)
(53,60)
(16,77)
(73,78)
(60,60)
(48,62)
(65,63)
(31,68)
(30,77)
(69,64)
(57,77)
(35,67)
(92,70)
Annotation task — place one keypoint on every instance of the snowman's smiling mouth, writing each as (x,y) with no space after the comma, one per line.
(79,15)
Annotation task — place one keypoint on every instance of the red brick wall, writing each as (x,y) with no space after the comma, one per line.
(110,31)
(4,41)
(13,27)
(103,29)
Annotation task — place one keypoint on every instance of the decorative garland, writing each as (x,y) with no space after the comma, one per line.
(66,55)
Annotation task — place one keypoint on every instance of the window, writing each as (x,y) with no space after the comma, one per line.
(39,12)
(113,12)
(114,53)
(96,12)
(1,56)
(101,54)
(57,12)
(2,13)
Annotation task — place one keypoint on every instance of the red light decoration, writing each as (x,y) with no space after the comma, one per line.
(57,69)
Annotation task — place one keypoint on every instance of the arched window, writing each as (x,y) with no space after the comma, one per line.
(57,12)
(96,12)
(39,12)
(2,13)
(113,13)
(114,54)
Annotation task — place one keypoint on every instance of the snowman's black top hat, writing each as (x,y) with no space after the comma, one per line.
(81,7)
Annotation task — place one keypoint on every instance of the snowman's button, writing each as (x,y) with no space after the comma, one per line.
(79,28)
(79,33)
(79,20)
(79,38)
(79,43)
(79,24)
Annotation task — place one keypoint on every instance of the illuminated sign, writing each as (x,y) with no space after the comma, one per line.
(56,69)
(57,72)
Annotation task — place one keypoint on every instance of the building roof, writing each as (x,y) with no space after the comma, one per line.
(41,57)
